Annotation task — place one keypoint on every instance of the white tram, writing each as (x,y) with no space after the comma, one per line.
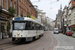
(26,29)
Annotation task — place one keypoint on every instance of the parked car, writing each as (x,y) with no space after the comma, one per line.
(56,31)
(60,31)
(69,32)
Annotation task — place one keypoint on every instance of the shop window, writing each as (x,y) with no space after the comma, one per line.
(3,27)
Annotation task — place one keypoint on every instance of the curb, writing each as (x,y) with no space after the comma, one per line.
(69,36)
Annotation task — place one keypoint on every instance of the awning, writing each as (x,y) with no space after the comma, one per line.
(2,18)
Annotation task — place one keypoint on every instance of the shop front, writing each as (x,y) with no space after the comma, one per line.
(5,17)
(73,27)
(2,27)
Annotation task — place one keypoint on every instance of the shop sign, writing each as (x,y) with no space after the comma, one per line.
(33,17)
(73,26)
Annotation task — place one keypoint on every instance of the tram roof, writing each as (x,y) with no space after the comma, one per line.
(27,19)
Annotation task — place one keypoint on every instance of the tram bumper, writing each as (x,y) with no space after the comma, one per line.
(29,38)
(18,39)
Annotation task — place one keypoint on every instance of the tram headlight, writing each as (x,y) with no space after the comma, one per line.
(18,33)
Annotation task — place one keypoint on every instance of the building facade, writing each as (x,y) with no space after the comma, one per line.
(58,19)
(52,24)
(24,8)
(65,19)
(71,14)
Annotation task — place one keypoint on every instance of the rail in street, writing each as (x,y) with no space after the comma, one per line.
(47,42)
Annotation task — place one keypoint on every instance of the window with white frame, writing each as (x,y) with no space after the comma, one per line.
(7,4)
(69,11)
(70,22)
(2,3)
(10,2)
(14,5)
(19,11)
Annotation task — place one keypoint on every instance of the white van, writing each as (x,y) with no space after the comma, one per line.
(56,30)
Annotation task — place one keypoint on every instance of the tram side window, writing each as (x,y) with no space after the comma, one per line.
(40,27)
(33,26)
(37,26)
(28,26)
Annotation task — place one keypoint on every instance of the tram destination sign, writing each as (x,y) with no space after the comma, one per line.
(19,18)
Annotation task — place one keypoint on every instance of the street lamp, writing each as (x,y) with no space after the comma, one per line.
(37,1)
(54,1)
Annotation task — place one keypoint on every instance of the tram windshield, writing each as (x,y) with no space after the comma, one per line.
(19,25)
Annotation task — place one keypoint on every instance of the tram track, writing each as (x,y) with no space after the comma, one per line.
(7,45)
(50,44)
(43,43)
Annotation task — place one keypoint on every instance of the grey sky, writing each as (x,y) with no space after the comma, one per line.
(50,9)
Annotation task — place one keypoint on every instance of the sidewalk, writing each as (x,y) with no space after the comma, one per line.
(5,41)
(70,36)
(73,34)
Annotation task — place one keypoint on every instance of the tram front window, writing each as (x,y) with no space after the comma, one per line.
(19,26)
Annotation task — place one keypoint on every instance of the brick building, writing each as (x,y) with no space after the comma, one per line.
(73,3)
(25,8)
